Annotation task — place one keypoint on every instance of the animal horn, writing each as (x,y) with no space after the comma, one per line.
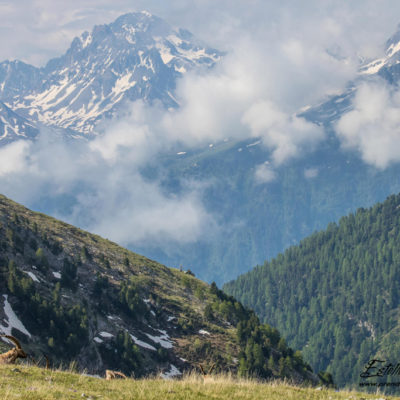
(202,370)
(47,361)
(14,340)
(113,374)
(212,367)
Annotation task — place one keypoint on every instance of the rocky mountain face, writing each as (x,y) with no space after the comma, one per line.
(78,297)
(14,127)
(387,68)
(138,56)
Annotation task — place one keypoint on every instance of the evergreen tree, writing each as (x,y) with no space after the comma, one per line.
(335,296)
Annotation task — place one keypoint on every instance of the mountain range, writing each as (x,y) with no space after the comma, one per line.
(140,57)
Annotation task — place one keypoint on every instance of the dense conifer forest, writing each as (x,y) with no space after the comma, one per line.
(336,295)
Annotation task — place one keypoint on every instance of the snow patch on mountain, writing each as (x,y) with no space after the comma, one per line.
(106,335)
(142,344)
(163,340)
(171,373)
(373,67)
(12,320)
(392,57)
(32,276)
(392,49)
(14,126)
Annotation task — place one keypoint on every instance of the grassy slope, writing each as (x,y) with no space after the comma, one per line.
(174,289)
(252,349)
(29,383)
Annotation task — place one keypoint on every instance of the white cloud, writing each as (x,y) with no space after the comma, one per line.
(211,104)
(287,136)
(310,173)
(135,130)
(13,157)
(152,218)
(105,191)
(264,173)
(373,126)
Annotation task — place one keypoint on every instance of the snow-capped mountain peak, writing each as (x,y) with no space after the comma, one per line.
(391,58)
(138,56)
(393,43)
(386,67)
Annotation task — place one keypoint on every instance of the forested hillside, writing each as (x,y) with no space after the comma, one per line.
(336,295)
(80,298)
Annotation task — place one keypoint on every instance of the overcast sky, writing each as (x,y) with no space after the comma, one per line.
(35,30)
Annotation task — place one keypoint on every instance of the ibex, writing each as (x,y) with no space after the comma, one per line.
(207,376)
(113,375)
(10,356)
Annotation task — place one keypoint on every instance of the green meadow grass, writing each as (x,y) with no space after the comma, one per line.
(25,382)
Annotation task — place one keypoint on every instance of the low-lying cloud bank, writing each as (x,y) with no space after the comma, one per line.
(373,126)
(102,191)
(100,182)
(102,178)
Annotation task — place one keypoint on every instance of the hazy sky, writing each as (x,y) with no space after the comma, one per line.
(35,30)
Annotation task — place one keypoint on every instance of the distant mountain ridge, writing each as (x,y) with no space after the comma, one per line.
(138,56)
(387,68)
(389,64)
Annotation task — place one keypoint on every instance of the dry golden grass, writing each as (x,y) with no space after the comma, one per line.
(31,383)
